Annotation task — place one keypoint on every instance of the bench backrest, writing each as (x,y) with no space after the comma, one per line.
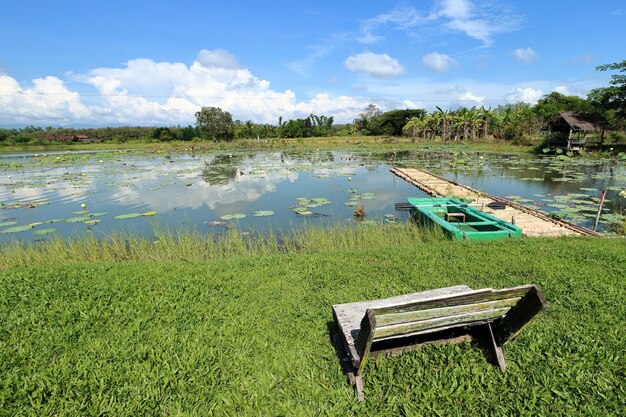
(508,309)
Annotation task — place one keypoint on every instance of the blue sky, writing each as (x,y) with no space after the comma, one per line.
(95,63)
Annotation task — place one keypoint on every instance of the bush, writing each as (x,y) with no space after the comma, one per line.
(616,137)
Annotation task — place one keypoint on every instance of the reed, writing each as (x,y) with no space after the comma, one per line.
(191,245)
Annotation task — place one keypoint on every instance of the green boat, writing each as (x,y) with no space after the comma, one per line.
(459,220)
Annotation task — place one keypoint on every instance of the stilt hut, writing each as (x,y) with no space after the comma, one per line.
(577,128)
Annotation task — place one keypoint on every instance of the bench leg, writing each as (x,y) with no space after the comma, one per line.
(358,379)
(494,351)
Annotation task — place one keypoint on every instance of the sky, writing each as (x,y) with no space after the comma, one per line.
(155,63)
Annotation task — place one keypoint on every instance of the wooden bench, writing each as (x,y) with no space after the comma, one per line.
(446,315)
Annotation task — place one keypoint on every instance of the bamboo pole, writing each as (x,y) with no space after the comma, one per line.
(595,227)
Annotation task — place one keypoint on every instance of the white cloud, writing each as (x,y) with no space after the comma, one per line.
(49,99)
(438,62)
(468,96)
(146,92)
(480,23)
(218,58)
(456,9)
(410,104)
(526,95)
(404,17)
(562,89)
(376,65)
(525,55)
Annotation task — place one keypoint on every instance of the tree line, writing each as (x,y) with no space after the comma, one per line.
(505,122)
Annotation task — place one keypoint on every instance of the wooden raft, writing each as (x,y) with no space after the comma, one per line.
(533,222)
(445,315)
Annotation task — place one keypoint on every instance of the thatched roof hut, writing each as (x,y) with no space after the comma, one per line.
(579,122)
(573,128)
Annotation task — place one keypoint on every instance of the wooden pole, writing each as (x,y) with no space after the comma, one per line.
(595,227)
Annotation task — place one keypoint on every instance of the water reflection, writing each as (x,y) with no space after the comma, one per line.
(192,190)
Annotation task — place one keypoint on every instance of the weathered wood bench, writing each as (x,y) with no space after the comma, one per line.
(445,315)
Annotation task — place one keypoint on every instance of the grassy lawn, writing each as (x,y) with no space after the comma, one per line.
(249,334)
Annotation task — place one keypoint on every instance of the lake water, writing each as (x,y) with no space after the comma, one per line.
(42,194)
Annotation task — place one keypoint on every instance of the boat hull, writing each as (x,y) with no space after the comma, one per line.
(461,221)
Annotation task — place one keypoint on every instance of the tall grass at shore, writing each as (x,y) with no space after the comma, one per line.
(192,245)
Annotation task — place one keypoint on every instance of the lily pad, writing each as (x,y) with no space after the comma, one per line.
(128,216)
(91,222)
(149,213)
(44,231)
(16,229)
(235,216)
(4,224)
(76,219)
(98,214)
(263,213)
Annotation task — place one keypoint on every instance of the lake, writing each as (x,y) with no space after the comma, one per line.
(42,194)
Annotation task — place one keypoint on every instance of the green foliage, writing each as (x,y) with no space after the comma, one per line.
(164,134)
(550,105)
(303,128)
(215,123)
(249,334)
(613,97)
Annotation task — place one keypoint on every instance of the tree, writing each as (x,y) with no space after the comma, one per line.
(392,122)
(612,98)
(163,134)
(550,105)
(215,123)
(362,124)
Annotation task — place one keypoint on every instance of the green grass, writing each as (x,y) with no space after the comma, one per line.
(249,334)
(333,142)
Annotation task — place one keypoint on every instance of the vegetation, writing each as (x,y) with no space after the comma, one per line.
(250,334)
(215,123)
(613,97)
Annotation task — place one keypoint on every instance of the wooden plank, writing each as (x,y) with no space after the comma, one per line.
(347,342)
(490,345)
(519,315)
(364,342)
(359,387)
(348,316)
(478,296)
(398,318)
(456,320)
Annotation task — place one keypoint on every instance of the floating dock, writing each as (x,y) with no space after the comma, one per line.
(533,222)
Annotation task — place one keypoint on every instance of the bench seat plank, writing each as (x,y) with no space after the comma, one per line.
(414,328)
(397,318)
(348,316)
